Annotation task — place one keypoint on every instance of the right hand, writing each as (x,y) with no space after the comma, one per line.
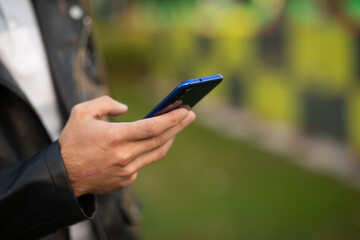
(101,157)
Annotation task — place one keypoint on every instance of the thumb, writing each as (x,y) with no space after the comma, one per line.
(105,105)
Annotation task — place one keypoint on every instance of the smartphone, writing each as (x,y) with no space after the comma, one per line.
(186,94)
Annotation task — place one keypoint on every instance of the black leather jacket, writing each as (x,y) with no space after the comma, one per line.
(36,198)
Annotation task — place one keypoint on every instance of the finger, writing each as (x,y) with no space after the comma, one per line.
(133,149)
(102,106)
(151,156)
(148,144)
(127,181)
(150,127)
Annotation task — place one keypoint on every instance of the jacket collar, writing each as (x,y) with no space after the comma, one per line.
(63,37)
(52,19)
(59,37)
(7,81)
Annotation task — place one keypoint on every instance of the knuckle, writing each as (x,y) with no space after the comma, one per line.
(151,129)
(129,171)
(129,180)
(162,152)
(107,99)
(114,137)
(161,139)
(76,110)
(124,159)
(122,162)
(80,109)
(174,120)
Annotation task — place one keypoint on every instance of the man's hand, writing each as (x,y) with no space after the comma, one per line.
(101,157)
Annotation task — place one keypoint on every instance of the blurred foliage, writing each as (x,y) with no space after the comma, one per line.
(294,62)
(281,56)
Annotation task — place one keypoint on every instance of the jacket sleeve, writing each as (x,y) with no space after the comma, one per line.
(36,197)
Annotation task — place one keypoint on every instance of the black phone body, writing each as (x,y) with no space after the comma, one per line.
(186,94)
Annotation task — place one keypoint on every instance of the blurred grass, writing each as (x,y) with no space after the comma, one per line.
(211,187)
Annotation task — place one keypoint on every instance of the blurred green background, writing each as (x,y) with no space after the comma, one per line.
(293,63)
